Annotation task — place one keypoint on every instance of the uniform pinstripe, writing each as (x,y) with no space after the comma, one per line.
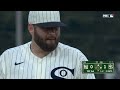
(58,61)
(45,16)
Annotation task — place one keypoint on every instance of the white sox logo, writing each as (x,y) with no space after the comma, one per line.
(61,72)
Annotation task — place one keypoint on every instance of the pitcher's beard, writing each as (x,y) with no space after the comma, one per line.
(46,45)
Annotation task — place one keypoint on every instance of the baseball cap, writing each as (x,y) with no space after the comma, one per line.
(45,18)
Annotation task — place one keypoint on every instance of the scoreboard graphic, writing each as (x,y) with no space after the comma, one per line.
(98,67)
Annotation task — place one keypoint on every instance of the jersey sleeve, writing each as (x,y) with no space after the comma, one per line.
(1,72)
(79,70)
(2,64)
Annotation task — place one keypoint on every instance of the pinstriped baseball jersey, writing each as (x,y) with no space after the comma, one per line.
(64,62)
